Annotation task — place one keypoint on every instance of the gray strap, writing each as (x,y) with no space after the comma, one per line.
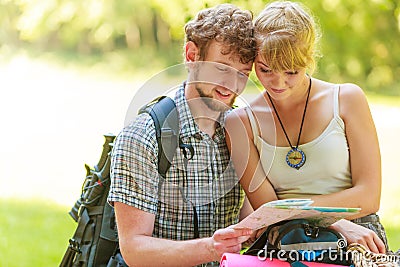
(166,121)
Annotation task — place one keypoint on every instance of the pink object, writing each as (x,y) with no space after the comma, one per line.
(237,260)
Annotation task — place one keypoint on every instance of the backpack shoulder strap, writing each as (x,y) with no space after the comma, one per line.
(166,121)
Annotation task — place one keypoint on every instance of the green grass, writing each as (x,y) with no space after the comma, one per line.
(33,233)
(393,233)
(36,233)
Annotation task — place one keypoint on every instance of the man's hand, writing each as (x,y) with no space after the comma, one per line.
(254,235)
(355,233)
(228,240)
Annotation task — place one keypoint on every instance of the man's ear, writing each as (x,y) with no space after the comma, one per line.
(192,52)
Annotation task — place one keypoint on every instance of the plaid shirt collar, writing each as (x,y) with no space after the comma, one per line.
(189,126)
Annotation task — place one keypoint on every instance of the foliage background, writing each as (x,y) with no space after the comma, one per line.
(360,38)
(67,70)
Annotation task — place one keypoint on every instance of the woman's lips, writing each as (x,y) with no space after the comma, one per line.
(277,91)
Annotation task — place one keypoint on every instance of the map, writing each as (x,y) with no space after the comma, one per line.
(280,210)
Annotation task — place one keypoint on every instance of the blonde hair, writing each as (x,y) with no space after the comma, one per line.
(287,36)
(226,24)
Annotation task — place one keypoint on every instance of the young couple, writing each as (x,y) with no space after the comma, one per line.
(300,138)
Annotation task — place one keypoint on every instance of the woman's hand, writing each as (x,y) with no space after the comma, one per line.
(355,233)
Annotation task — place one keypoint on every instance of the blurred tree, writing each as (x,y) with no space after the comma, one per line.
(357,38)
(360,41)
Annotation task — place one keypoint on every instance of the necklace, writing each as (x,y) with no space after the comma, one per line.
(295,158)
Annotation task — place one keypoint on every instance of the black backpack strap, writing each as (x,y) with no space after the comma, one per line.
(166,121)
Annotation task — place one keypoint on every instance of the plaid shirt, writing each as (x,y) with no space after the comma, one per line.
(207,181)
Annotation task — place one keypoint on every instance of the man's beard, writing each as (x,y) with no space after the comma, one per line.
(212,103)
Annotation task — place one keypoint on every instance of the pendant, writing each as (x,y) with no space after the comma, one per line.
(295,158)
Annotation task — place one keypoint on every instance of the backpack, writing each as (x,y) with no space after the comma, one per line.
(299,241)
(95,241)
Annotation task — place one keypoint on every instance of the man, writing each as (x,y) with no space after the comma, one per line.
(186,222)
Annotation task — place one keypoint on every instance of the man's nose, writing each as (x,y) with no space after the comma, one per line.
(230,81)
(237,81)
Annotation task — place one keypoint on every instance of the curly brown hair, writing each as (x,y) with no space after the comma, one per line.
(226,24)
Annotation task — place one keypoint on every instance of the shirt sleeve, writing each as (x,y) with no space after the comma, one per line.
(134,173)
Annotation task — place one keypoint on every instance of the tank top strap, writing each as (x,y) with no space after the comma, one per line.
(336,101)
(253,124)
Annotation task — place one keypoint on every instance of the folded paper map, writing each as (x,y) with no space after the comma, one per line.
(280,210)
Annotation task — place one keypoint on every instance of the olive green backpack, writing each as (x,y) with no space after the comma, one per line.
(95,241)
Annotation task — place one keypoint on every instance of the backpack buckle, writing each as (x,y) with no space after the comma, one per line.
(74,245)
(311,231)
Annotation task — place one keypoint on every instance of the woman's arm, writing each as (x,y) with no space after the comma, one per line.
(365,164)
(246,209)
(365,161)
(246,159)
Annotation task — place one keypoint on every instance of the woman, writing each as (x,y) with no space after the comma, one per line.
(306,138)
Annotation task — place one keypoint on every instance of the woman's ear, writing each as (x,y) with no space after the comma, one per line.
(192,52)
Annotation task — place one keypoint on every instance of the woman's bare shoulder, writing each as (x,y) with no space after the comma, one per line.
(353,101)
(348,92)
(351,90)
(351,96)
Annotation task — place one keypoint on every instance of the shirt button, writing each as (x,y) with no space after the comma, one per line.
(198,136)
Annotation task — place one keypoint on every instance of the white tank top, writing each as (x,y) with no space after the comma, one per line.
(327,166)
